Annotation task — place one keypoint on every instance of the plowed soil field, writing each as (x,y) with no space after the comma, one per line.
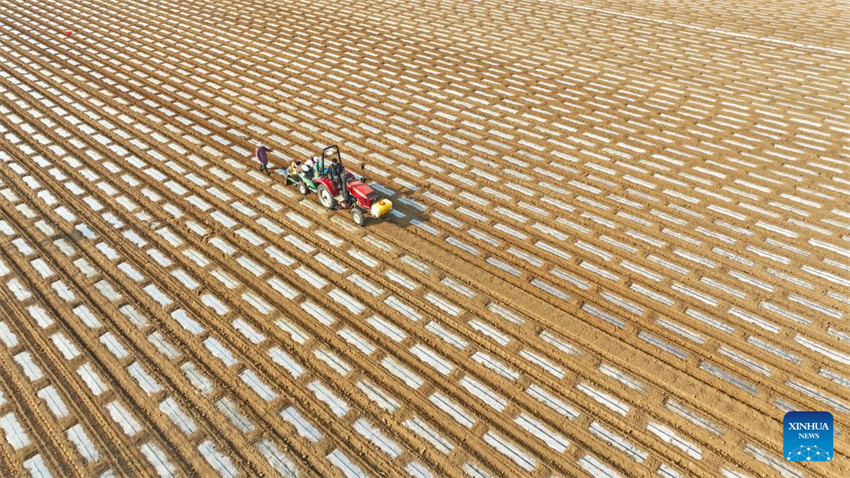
(620,244)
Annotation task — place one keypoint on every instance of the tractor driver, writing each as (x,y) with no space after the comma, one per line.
(335,170)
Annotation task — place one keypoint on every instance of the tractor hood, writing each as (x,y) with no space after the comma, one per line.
(370,199)
(359,188)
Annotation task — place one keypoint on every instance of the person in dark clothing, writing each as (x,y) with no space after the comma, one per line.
(261,152)
(336,171)
(333,170)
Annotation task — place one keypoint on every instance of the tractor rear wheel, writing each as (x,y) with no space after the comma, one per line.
(358,216)
(326,198)
(303,189)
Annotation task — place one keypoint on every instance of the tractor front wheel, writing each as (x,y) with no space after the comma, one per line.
(326,198)
(358,216)
(303,189)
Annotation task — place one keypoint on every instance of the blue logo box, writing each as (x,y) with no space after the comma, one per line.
(807,436)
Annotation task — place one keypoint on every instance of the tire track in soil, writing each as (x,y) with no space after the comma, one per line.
(105,364)
(31,418)
(81,404)
(8,456)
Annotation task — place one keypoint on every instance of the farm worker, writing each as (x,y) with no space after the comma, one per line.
(307,166)
(336,172)
(295,167)
(333,171)
(261,152)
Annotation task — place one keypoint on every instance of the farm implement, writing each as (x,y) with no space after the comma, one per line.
(337,187)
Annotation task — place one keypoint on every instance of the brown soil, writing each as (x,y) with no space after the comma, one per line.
(621,244)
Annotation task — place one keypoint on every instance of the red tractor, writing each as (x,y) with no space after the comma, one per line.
(338,187)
